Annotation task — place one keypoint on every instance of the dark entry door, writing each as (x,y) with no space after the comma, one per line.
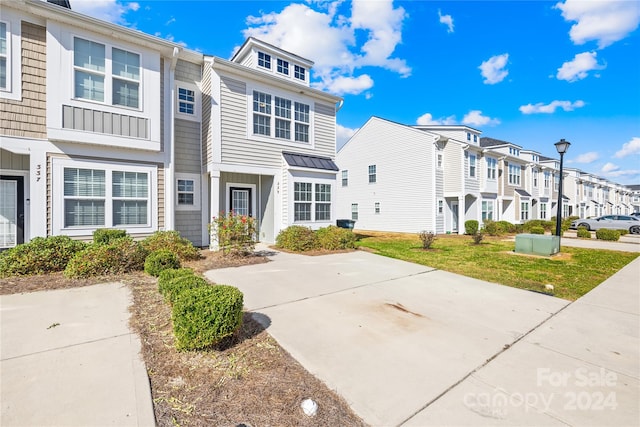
(11,211)
(240,199)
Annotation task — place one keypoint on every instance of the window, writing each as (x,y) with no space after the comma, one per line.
(439,161)
(345,178)
(302,201)
(514,174)
(472,166)
(556,181)
(4,56)
(105,198)
(543,211)
(281,108)
(524,211)
(283,67)
(492,166)
(264,60)
(535,177)
(547,179)
(440,207)
(468,136)
(354,211)
(372,174)
(475,138)
(92,77)
(376,207)
(487,210)
(323,202)
(186,101)
(186,195)
(299,73)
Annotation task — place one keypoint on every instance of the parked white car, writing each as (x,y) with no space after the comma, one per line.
(614,222)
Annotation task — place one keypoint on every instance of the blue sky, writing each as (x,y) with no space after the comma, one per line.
(529,72)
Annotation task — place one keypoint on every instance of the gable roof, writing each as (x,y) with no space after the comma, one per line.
(492,142)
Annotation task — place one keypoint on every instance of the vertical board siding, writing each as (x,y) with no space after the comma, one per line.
(89,120)
(27,117)
(9,160)
(187,146)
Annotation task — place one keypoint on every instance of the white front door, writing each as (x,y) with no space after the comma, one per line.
(11,211)
(454,217)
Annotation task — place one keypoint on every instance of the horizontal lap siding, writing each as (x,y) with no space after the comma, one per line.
(453,164)
(325,130)
(188,72)
(187,149)
(189,225)
(27,117)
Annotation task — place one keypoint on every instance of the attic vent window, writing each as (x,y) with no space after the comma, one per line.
(300,73)
(264,60)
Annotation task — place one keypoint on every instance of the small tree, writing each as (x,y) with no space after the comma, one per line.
(477,238)
(234,234)
(427,238)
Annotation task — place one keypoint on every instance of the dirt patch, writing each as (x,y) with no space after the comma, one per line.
(248,380)
(402,308)
(560,256)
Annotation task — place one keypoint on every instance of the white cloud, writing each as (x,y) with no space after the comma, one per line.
(617,172)
(609,167)
(107,10)
(475,118)
(629,148)
(427,119)
(493,69)
(589,157)
(446,20)
(298,28)
(604,21)
(551,107)
(579,67)
(343,134)
(170,21)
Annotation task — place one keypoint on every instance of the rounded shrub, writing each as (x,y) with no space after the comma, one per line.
(491,228)
(160,260)
(583,233)
(178,285)
(172,241)
(471,227)
(334,238)
(537,229)
(166,276)
(203,316)
(118,256)
(623,232)
(297,238)
(39,256)
(103,236)
(607,234)
(506,227)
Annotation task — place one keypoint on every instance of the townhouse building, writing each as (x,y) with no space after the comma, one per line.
(102,126)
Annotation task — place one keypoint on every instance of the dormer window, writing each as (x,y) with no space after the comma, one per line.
(475,138)
(300,73)
(283,67)
(468,136)
(264,60)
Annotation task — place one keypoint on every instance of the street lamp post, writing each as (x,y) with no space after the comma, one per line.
(562,146)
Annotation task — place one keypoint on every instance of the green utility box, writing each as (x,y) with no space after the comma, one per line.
(537,244)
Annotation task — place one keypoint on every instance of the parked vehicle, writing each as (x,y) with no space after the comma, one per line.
(614,222)
(636,214)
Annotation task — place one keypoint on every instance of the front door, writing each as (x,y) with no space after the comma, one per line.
(11,211)
(454,217)
(240,200)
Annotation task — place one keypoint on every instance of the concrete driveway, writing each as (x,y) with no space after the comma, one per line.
(391,337)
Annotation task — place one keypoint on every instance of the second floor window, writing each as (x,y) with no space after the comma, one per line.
(299,73)
(492,166)
(514,175)
(186,192)
(94,74)
(372,174)
(439,160)
(472,166)
(547,178)
(186,101)
(269,109)
(535,178)
(283,67)
(264,60)
(4,55)
(345,178)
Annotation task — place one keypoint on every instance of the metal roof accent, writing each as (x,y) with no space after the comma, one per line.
(522,192)
(312,162)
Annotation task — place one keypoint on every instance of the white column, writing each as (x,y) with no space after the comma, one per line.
(214,201)
(37,203)
(461,215)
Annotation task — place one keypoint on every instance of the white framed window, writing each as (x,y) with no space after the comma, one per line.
(354,211)
(472,165)
(264,60)
(94,195)
(514,175)
(547,179)
(439,161)
(372,174)
(323,202)
(543,211)
(376,208)
(524,211)
(300,73)
(345,178)
(106,74)
(556,181)
(492,167)
(272,117)
(311,201)
(188,98)
(535,177)
(187,192)
(440,207)
(468,136)
(487,210)
(475,138)
(302,198)
(5,56)
(282,66)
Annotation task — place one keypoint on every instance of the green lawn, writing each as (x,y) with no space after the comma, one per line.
(573,273)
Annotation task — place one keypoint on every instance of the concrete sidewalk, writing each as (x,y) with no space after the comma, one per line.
(406,344)
(68,358)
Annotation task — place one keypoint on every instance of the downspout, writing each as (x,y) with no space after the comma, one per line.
(170,197)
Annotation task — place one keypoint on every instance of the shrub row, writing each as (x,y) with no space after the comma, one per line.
(300,239)
(112,252)
(202,314)
(607,234)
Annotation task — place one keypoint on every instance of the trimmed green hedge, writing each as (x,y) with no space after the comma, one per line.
(176,286)
(103,236)
(122,255)
(166,276)
(159,261)
(172,241)
(335,238)
(297,238)
(471,227)
(39,256)
(583,233)
(538,229)
(203,316)
(607,234)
